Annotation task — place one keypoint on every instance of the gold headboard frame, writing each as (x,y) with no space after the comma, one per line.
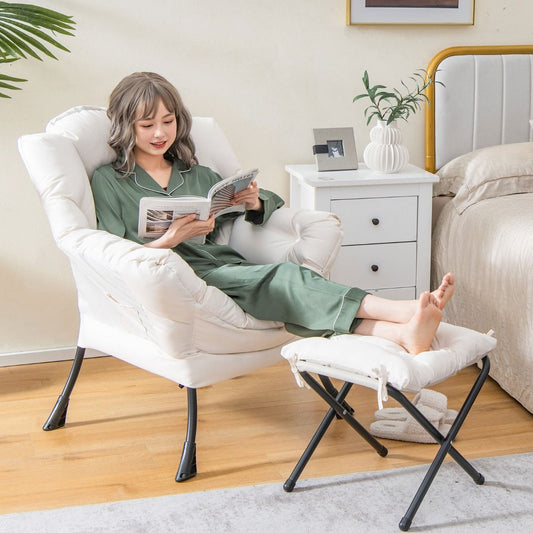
(430,91)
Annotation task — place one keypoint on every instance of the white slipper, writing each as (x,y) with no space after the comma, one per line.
(409,429)
(426,397)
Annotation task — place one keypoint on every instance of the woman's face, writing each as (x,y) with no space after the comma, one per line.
(155,135)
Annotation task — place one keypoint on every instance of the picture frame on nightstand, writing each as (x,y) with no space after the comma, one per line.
(334,149)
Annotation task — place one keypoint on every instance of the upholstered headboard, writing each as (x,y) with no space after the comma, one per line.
(486,99)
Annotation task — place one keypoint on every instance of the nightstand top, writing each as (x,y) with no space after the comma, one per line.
(361,176)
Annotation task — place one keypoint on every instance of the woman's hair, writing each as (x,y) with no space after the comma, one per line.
(136,97)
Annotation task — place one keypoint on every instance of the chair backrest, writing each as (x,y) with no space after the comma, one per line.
(61,161)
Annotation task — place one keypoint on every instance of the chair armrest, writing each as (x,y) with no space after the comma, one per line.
(306,237)
(133,275)
(153,289)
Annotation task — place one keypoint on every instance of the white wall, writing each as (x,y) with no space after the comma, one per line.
(269,71)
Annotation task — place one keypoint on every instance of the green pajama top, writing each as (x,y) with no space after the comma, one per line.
(117,208)
(284,292)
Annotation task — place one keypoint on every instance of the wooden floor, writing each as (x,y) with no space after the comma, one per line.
(125,430)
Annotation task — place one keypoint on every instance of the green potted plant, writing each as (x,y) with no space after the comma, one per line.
(25,32)
(386,153)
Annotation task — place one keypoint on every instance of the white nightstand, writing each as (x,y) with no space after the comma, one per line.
(386,220)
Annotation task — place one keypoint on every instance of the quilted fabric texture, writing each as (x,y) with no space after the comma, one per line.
(147,306)
(373,362)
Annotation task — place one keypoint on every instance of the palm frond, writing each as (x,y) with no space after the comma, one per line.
(21,30)
(26,31)
(3,85)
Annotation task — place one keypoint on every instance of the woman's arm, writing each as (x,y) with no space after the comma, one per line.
(182,229)
(249,197)
(259,203)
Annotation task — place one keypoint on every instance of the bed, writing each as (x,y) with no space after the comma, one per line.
(479,141)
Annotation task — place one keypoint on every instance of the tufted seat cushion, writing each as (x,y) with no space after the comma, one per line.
(373,362)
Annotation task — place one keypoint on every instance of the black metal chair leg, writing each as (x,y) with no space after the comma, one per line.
(187,467)
(58,416)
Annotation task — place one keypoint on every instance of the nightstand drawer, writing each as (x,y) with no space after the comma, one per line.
(377,220)
(377,266)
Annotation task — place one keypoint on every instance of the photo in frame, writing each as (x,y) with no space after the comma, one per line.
(409,12)
(334,149)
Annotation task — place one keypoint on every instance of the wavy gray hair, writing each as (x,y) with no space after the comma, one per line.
(136,97)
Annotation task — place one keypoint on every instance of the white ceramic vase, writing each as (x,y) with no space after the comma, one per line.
(386,153)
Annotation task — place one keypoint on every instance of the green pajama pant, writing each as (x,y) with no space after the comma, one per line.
(308,304)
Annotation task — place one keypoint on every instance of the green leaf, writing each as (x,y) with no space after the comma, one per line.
(20,46)
(8,59)
(26,42)
(37,15)
(4,78)
(37,32)
(9,86)
(25,32)
(393,104)
(7,48)
(21,30)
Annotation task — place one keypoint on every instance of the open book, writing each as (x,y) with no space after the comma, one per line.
(157,213)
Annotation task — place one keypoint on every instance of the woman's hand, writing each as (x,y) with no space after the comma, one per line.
(249,197)
(182,229)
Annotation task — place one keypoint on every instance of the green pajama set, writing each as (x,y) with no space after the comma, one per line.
(308,304)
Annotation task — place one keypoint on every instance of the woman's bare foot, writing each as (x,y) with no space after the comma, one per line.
(441,296)
(419,331)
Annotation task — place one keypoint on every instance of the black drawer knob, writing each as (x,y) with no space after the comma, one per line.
(375,221)
(374,268)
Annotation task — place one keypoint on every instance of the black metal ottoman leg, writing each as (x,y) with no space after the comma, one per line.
(288,486)
(446,445)
(338,405)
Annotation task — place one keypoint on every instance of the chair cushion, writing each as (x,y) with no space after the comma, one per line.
(88,127)
(373,362)
(213,149)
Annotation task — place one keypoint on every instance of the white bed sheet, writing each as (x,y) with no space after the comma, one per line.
(490,249)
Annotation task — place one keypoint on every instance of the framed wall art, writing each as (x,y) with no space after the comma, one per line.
(334,149)
(410,11)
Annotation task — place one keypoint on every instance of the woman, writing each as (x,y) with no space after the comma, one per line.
(150,133)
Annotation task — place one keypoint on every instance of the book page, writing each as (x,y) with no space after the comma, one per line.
(156,214)
(222,192)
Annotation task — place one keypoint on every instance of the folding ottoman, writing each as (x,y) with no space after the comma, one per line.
(387,368)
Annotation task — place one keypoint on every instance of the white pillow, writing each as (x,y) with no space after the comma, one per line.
(488,173)
(88,127)
(451,176)
(496,171)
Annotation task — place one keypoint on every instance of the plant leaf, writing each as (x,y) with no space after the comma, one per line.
(21,28)
(394,104)
(20,46)
(37,16)
(25,29)
(28,43)
(4,78)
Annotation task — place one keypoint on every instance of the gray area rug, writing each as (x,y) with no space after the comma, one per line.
(366,502)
